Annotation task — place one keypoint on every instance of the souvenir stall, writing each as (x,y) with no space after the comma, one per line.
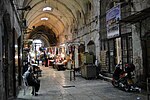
(57,57)
(51,55)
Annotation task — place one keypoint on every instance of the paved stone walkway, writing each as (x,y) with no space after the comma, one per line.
(56,85)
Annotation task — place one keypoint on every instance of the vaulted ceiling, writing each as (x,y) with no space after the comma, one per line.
(61,19)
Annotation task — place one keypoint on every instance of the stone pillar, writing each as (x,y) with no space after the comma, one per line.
(137,51)
(76,57)
(2,89)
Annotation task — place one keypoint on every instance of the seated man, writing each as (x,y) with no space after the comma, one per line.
(32,81)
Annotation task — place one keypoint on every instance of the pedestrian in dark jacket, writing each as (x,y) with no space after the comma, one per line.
(32,81)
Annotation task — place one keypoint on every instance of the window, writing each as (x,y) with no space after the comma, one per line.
(90,7)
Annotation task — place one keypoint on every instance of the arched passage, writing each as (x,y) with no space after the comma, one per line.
(91,47)
(45,34)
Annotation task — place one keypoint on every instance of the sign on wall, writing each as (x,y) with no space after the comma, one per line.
(112,17)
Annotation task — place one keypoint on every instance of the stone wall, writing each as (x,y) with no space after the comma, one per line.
(89,31)
(7,80)
(139,30)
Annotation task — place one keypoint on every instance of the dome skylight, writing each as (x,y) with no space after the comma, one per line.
(47,9)
(44,18)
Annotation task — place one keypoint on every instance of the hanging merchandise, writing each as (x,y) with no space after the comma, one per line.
(50,50)
(69,49)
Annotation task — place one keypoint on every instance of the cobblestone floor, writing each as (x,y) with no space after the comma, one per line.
(56,85)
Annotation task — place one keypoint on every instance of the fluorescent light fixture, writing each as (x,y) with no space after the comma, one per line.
(47,9)
(44,18)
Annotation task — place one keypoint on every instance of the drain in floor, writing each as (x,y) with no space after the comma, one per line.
(68,86)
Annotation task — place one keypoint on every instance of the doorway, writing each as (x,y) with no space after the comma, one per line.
(114,46)
(127,49)
(5,56)
(112,55)
(146,51)
(91,49)
(148,56)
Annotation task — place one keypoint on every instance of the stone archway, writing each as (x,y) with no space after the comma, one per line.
(92,49)
(81,48)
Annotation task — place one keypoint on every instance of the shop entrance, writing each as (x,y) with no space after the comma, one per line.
(127,51)
(148,56)
(146,51)
(91,49)
(115,56)
(5,56)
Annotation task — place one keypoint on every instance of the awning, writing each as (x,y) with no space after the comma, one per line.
(141,15)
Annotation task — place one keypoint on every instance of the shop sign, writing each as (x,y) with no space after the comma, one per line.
(112,17)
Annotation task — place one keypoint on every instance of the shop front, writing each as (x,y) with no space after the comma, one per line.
(140,22)
(116,41)
(113,37)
